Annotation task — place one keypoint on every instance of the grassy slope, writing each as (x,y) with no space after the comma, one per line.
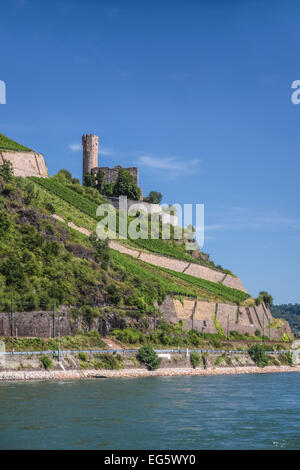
(73,206)
(86,206)
(8,144)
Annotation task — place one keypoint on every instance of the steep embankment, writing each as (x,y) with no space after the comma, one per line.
(49,256)
(89,209)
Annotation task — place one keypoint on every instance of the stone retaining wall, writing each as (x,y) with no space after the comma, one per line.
(26,163)
(177,265)
(230,317)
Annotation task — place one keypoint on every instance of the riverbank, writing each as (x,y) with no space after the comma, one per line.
(135,373)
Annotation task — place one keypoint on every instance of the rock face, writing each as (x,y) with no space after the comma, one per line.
(25,163)
(229,317)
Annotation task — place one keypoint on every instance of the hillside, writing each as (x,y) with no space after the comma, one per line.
(45,260)
(8,144)
(291,313)
(51,260)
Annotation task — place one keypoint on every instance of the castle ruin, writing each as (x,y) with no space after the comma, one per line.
(90,162)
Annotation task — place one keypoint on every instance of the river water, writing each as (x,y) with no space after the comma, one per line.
(222,412)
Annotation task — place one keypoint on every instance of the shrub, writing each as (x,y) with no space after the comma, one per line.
(195,359)
(46,362)
(149,357)
(50,207)
(82,356)
(258,355)
(257,333)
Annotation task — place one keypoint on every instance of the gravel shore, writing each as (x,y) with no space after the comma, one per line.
(164,372)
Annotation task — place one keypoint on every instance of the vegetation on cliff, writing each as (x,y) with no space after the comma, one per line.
(8,144)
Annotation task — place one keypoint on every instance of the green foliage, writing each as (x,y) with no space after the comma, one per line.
(258,355)
(266,298)
(149,357)
(290,312)
(8,144)
(228,293)
(219,360)
(101,250)
(107,361)
(46,362)
(172,248)
(285,337)
(154,197)
(6,171)
(63,176)
(89,180)
(68,195)
(219,327)
(81,340)
(125,186)
(195,359)
(257,333)
(82,356)
(129,336)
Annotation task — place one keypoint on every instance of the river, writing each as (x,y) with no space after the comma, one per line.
(220,412)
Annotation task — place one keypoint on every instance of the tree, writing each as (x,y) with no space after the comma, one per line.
(125,186)
(7,171)
(149,357)
(101,248)
(89,180)
(100,180)
(266,298)
(63,176)
(154,197)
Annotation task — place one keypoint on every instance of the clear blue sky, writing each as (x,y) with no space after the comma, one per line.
(197,94)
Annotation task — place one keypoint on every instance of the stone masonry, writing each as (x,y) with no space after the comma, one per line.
(230,317)
(90,153)
(26,163)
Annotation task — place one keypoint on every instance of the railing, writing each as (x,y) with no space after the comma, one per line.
(120,351)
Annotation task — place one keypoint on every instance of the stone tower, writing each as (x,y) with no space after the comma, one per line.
(90,153)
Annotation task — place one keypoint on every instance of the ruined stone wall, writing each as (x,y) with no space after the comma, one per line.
(26,163)
(230,317)
(111,174)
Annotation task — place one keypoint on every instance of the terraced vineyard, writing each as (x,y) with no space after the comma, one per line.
(228,293)
(173,249)
(180,286)
(8,144)
(68,195)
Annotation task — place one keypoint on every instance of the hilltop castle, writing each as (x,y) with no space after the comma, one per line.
(90,143)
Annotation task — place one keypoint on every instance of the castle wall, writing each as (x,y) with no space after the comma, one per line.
(26,163)
(111,174)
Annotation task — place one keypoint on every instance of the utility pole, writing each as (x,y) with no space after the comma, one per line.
(227,326)
(11,317)
(58,347)
(53,318)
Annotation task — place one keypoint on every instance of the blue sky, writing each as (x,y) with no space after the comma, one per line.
(197,94)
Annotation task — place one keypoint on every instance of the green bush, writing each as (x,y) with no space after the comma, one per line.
(82,356)
(149,357)
(46,362)
(195,359)
(258,355)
